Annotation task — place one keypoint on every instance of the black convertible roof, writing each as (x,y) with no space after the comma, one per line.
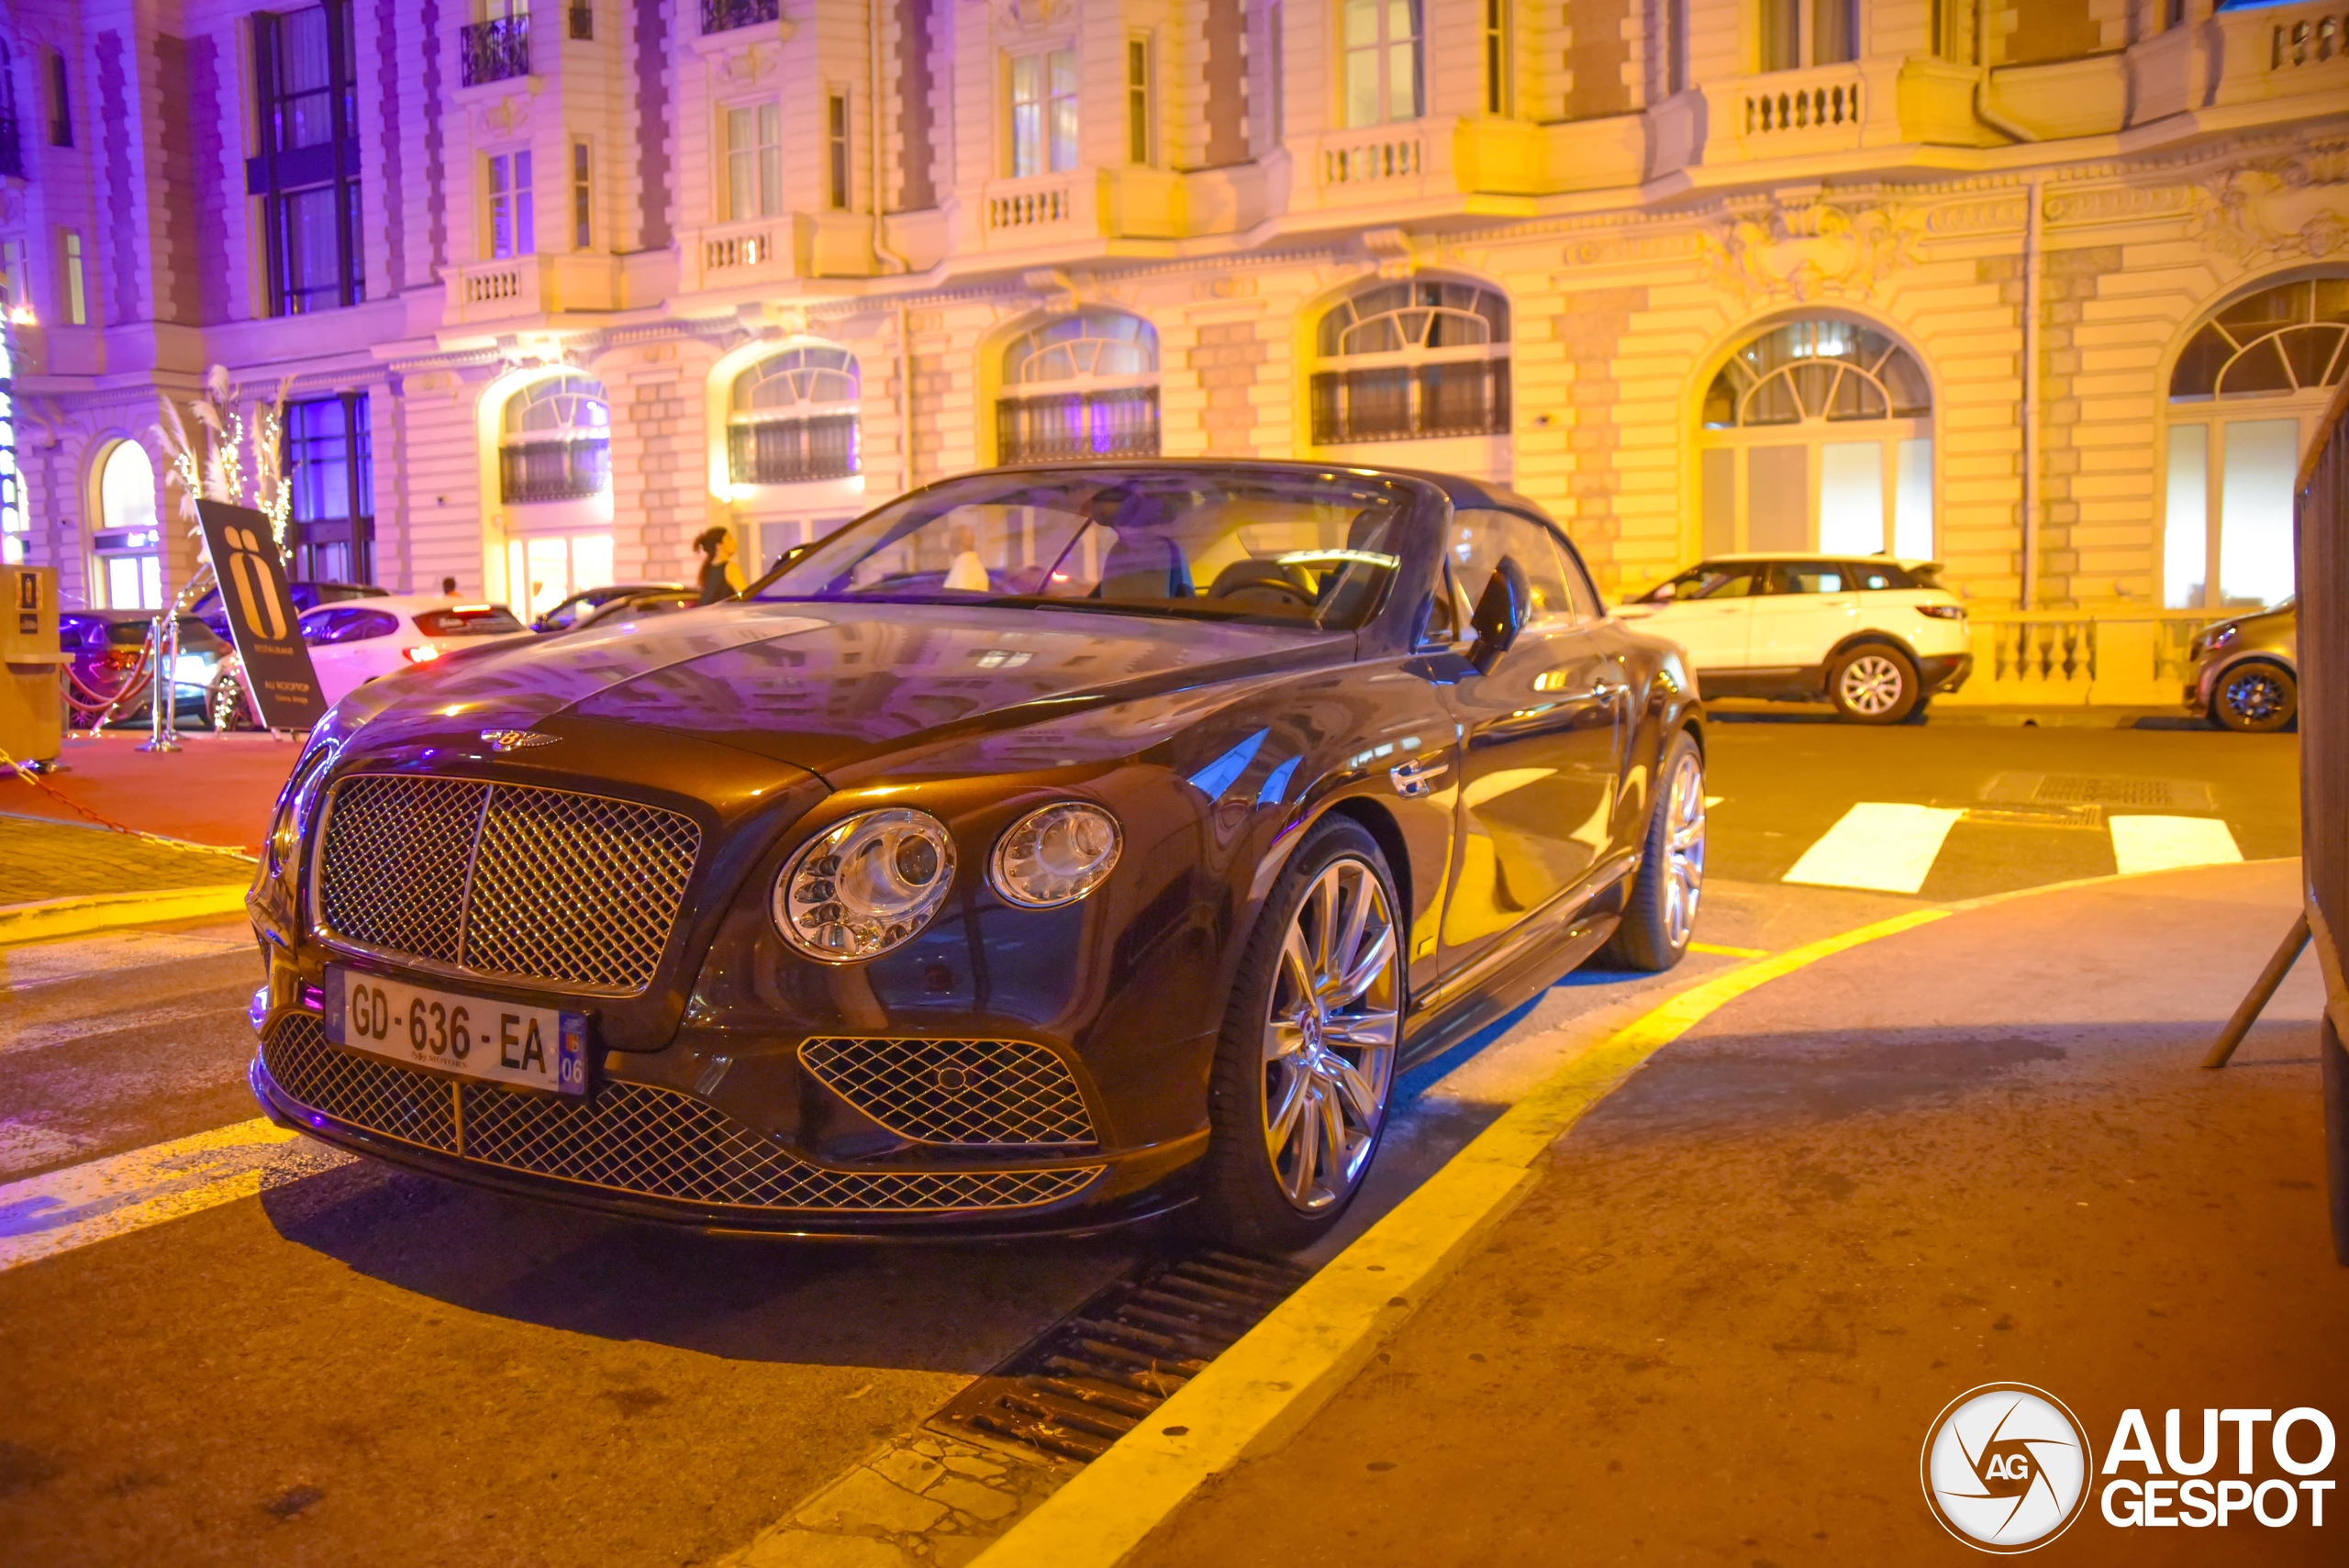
(1458,489)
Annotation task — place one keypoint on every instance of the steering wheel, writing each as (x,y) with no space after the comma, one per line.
(1261,583)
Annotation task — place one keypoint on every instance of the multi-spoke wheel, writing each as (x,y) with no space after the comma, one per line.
(1661,914)
(1873,685)
(2255,696)
(1307,1056)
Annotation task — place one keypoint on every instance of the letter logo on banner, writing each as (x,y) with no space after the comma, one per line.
(262,622)
(2006,1467)
(248,576)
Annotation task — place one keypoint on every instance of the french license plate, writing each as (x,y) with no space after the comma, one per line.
(531,1048)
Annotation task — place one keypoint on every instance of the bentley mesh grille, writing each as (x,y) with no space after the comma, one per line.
(505,880)
(971,1092)
(623,1137)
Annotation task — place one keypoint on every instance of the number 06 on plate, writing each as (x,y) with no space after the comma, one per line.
(505,1042)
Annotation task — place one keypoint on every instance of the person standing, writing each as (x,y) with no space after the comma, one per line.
(720,578)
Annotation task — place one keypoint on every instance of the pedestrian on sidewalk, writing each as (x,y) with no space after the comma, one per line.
(720,578)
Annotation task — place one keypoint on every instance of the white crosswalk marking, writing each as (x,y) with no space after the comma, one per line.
(59,1210)
(1879,845)
(2164,844)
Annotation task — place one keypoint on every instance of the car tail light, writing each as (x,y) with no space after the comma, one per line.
(1942,612)
(422,653)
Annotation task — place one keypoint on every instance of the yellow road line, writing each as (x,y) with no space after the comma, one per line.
(59,1210)
(71,917)
(1719,951)
(1258,1392)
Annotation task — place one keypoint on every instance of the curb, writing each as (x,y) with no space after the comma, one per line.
(50,918)
(1262,1390)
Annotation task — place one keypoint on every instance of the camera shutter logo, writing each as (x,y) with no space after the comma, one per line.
(2006,1467)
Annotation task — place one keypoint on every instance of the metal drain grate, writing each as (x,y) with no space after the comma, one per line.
(1100,1371)
(2107,790)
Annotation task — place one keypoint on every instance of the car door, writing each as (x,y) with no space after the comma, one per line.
(1540,733)
(1806,608)
(1709,612)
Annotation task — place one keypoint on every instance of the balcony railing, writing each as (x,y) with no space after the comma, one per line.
(1122,423)
(792,451)
(496,51)
(1820,106)
(2295,40)
(725,16)
(554,471)
(1032,208)
(1389,155)
(1405,403)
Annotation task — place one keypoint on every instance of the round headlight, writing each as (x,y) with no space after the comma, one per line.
(864,886)
(1056,855)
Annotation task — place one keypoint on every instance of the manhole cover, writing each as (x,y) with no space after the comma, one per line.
(2108,790)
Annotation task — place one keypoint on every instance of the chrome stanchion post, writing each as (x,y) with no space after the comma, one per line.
(162,725)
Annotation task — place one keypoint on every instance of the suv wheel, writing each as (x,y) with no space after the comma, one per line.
(2256,697)
(1873,684)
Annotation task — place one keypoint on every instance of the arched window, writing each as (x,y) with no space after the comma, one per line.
(128,541)
(1818,435)
(2245,399)
(557,441)
(1423,358)
(1080,386)
(794,418)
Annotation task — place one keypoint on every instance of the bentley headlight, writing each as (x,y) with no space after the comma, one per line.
(866,885)
(1056,855)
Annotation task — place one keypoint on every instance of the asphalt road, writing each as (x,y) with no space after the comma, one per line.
(332,1362)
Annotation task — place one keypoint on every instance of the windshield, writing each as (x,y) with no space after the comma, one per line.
(1302,549)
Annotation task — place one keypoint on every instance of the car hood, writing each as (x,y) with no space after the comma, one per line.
(829,687)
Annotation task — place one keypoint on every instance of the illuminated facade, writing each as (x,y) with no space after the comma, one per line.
(562,285)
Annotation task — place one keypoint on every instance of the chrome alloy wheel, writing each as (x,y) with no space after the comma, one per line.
(1330,1035)
(1870,684)
(2254,695)
(1683,848)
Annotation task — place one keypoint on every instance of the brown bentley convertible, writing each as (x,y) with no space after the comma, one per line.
(1050,848)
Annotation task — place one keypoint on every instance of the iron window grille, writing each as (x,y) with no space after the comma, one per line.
(795,417)
(307,171)
(60,102)
(12,149)
(495,50)
(583,23)
(1080,386)
(1430,359)
(557,445)
(725,16)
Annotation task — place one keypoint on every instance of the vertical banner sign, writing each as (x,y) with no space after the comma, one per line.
(262,619)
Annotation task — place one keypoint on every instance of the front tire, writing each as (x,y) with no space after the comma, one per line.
(2256,698)
(1873,684)
(1306,1065)
(1661,915)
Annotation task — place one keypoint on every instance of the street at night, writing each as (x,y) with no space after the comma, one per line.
(273,1377)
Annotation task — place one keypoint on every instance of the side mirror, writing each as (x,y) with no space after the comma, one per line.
(1501,613)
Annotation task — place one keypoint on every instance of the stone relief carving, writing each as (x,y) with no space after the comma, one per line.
(1996,215)
(1813,253)
(502,118)
(746,67)
(1030,16)
(2116,202)
(2292,207)
(1611,251)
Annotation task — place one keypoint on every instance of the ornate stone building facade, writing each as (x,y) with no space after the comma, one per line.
(2050,290)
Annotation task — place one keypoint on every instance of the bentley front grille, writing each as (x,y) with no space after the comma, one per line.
(622,1137)
(975,1093)
(507,880)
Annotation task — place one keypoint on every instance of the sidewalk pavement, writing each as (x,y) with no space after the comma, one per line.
(1719,1329)
(217,789)
(42,859)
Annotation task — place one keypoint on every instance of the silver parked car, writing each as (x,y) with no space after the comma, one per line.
(2247,670)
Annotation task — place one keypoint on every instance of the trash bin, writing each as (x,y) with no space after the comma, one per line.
(32,720)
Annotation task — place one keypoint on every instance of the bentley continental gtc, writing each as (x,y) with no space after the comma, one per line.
(1050,848)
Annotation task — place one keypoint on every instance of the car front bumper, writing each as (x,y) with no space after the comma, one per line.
(647,1150)
(1943,673)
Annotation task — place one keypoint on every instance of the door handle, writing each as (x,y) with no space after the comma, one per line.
(1414,779)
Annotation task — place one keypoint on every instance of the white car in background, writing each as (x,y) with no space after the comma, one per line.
(351,644)
(1872,634)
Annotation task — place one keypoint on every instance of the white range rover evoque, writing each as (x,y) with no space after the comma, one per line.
(1874,636)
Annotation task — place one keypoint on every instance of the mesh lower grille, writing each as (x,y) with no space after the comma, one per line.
(625,1138)
(505,880)
(971,1092)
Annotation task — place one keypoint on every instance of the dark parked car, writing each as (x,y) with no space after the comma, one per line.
(1049,848)
(2247,670)
(576,609)
(105,647)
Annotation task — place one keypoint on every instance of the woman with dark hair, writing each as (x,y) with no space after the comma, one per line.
(720,578)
